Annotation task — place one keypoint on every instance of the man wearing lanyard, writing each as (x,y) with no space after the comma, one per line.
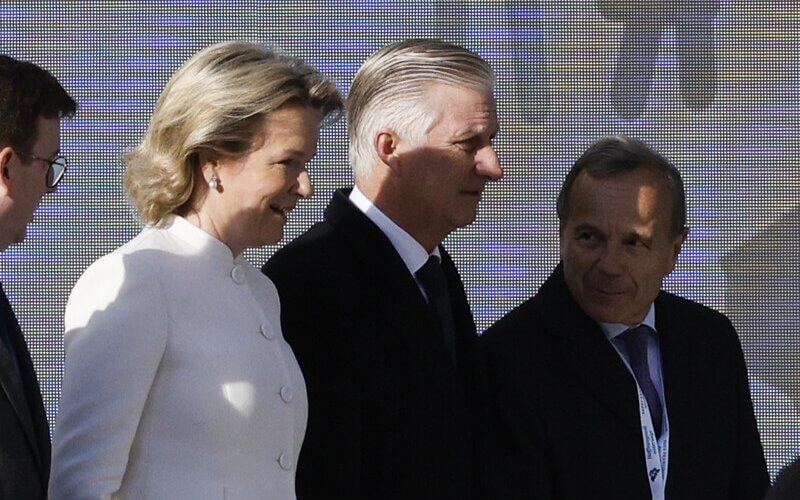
(604,386)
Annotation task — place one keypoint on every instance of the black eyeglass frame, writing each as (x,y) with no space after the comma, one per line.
(57,167)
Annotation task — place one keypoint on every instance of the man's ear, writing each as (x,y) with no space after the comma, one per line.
(677,243)
(680,241)
(6,154)
(386,146)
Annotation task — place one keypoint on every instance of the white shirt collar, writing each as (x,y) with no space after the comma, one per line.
(413,254)
(612,330)
(198,239)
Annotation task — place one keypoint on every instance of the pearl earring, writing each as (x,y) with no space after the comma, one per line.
(213,183)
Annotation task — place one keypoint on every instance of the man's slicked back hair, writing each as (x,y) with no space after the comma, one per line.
(618,155)
(389,92)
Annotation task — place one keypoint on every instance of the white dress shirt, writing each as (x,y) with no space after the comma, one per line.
(413,254)
(614,330)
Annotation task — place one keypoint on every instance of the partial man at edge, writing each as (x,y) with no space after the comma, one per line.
(32,103)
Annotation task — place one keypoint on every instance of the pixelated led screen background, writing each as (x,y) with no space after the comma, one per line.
(711,84)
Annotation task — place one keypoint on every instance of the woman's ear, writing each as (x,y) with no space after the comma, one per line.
(207,161)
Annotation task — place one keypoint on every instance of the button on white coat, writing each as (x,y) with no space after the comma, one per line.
(285,461)
(267,332)
(237,273)
(286,394)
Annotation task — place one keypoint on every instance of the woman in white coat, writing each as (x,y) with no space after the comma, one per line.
(177,380)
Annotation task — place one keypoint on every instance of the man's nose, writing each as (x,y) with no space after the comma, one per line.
(611,262)
(488,164)
(305,189)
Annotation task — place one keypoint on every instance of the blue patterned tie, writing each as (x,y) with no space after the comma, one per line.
(636,342)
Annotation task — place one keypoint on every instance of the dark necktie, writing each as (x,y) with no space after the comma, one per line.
(636,342)
(433,280)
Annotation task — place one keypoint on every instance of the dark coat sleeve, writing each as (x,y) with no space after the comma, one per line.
(787,486)
(515,449)
(24,464)
(750,478)
(311,320)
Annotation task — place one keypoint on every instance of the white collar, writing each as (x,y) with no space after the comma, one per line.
(196,238)
(413,254)
(612,330)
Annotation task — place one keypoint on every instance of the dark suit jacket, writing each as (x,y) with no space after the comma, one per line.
(24,432)
(787,486)
(389,414)
(565,424)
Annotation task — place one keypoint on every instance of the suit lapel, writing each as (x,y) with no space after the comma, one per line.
(675,354)
(680,380)
(589,354)
(10,375)
(466,332)
(396,294)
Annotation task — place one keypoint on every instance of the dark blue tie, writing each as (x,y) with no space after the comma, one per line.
(433,280)
(636,342)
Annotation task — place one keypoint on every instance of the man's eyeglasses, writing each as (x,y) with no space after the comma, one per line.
(55,172)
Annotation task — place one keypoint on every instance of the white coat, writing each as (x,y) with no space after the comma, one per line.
(177,380)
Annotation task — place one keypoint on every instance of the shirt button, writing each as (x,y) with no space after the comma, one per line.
(285,461)
(267,332)
(237,273)
(286,394)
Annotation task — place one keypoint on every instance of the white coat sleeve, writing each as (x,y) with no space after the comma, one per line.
(116,325)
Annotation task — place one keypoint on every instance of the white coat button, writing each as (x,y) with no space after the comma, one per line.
(285,461)
(237,273)
(286,394)
(267,332)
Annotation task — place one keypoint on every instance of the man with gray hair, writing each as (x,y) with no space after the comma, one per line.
(32,103)
(371,302)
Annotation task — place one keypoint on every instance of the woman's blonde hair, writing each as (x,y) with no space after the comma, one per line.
(216,104)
